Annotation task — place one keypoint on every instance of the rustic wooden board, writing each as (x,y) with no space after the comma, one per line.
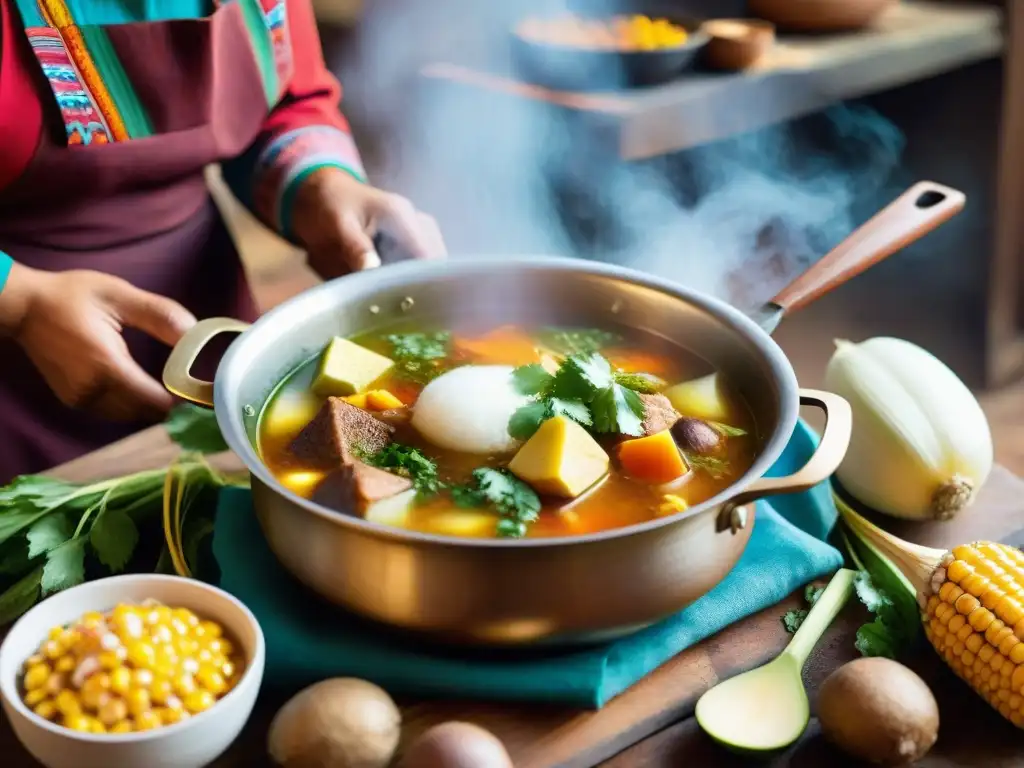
(547,737)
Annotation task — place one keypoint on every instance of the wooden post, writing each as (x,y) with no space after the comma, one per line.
(1005,333)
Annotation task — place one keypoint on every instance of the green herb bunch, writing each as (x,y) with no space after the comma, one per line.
(585,389)
(55,534)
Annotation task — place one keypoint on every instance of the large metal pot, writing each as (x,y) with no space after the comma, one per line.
(526,591)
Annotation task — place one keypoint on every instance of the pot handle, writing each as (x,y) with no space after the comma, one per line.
(178,378)
(835,439)
(916,212)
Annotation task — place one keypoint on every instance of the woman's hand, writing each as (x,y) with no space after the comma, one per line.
(336,217)
(70,323)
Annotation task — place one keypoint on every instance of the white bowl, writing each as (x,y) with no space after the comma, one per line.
(192,743)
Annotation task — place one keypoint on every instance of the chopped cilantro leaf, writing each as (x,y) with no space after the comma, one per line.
(409,462)
(644,383)
(726,430)
(714,466)
(572,409)
(420,357)
(581,341)
(812,593)
(514,500)
(527,419)
(793,619)
(620,410)
(531,379)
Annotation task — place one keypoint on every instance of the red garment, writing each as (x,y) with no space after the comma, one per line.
(310,100)
(137,207)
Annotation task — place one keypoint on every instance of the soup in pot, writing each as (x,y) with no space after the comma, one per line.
(510,432)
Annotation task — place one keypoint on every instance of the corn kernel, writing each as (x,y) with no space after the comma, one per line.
(138,701)
(113,711)
(142,678)
(957,570)
(161,690)
(980,619)
(52,650)
(78,723)
(210,679)
(964,633)
(1017,679)
(124,726)
(956,624)
(35,697)
(95,726)
(46,710)
(95,691)
(120,680)
(1008,642)
(186,616)
(37,676)
(170,716)
(184,685)
(146,721)
(199,701)
(65,664)
(141,654)
(110,659)
(68,703)
(220,647)
(948,593)
(228,670)
(56,683)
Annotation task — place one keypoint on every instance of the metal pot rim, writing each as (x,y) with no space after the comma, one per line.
(228,407)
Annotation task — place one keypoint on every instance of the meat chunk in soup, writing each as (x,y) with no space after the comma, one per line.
(357,485)
(659,414)
(337,433)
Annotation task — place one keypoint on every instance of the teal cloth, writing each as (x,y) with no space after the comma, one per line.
(308,640)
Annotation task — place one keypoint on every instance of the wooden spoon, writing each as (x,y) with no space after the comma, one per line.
(766,709)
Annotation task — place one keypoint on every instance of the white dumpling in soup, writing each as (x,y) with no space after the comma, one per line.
(468,409)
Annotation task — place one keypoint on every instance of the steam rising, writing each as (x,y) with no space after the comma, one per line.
(547,181)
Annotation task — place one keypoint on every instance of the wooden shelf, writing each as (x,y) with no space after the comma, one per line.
(801,75)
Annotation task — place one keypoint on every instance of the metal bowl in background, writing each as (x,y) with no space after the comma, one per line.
(578,588)
(570,68)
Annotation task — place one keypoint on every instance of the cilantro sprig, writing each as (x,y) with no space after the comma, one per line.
(515,501)
(585,389)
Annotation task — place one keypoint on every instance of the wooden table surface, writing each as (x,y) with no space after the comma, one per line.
(971,735)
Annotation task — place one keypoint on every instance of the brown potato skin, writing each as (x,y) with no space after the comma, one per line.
(880,711)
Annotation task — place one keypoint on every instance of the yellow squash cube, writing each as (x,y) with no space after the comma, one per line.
(561,459)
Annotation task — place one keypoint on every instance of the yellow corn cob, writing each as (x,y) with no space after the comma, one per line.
(972,608)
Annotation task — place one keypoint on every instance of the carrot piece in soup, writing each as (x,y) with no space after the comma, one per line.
(506,345)
(638,361)
(655,459)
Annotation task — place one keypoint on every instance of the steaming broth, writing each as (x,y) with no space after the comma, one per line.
(615,501)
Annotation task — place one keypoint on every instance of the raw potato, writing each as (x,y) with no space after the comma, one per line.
(338,723)
(346,368)
(456,745)
(880,711)
(700,398)
(561,459)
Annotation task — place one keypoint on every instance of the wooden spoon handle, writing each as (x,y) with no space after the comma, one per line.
(910,216)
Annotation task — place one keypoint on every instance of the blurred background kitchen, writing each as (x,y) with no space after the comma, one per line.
(730,181)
